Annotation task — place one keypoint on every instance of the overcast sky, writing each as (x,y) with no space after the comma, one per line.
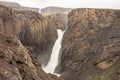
(71,3)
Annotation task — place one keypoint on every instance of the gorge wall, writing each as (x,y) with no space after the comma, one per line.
(31,28)
(60,20)
(91,45)
(25,37)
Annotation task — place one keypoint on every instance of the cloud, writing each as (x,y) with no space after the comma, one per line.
(71,3)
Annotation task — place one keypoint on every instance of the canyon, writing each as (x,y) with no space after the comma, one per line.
(63,44)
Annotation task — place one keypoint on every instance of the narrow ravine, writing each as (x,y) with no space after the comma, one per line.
(53,62)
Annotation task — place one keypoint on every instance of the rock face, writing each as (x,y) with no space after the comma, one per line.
(91,45)
(60,20)
(17,63)
(31,28)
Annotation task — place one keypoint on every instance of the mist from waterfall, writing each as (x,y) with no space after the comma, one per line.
(53,62)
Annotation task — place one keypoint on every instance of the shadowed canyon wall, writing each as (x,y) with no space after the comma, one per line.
(91,45)
(17,63)
(31,28)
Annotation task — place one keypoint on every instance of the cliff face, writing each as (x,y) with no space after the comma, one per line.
(91,45)
(17,63)
(60,20)
(31,28)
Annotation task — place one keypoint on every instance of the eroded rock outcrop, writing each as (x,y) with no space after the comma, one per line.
(91,45)
(17,63)
(31,28)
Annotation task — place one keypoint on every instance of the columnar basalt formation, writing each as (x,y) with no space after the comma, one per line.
(31,28)
(91,45)
(37,33)
(18,61)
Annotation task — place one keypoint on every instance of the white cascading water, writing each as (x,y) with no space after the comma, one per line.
(53,62)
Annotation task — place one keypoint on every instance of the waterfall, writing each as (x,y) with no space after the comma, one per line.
(53,62)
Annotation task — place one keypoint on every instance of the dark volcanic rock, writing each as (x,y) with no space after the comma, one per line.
(31,28)
(91,45)
(16,62)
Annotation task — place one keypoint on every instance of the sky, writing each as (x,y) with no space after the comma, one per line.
(114,4)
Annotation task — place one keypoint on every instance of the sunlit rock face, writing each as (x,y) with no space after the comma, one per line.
(91,45)
(31,28)
(38,33)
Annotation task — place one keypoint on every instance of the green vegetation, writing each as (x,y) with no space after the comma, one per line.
(45,14)
(97,78)
(103,76)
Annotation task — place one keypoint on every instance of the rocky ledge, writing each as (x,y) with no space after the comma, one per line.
(91,45)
